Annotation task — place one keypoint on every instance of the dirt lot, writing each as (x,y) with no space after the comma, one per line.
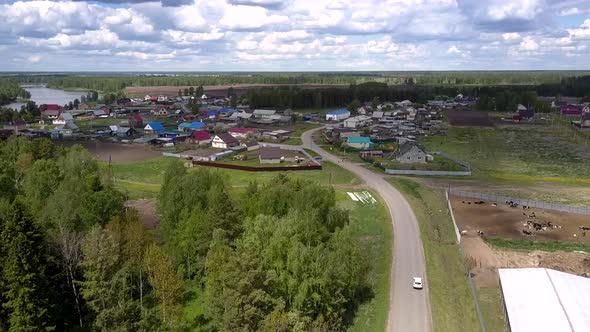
(147,212)
(215,90)
(504,221)
(120,153)
(488,260)
(469,118)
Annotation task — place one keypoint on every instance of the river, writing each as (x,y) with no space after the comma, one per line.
(41,94)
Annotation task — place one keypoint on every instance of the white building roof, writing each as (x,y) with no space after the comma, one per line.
(540,300)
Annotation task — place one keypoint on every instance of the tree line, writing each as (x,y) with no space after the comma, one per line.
(10,90)
(114,83)
(73,257)
(278,257)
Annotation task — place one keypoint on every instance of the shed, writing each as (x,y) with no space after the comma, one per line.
(270,155)
(545,300)
(125,132)
(338,115)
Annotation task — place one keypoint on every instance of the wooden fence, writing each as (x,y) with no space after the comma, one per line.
(258,169)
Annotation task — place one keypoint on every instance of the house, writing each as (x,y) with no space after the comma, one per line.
(125,132)
(360,143)
(201,137)
(585,120)
(250,145)
(338,115)
(263,113)
(241,133)
(346,135)
(99,113)
(162,112)
(83,107)
(61,131)
(63,119)
(574,110)
(525,113)
(357,121)
(136,120)
(186,126)
(224,141)
(377,115)
(153,127)
(411,153)
(270,155)
(52,111)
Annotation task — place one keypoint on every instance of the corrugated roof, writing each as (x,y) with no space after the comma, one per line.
(545,300)
(359,140)
(338,112)
(157,126)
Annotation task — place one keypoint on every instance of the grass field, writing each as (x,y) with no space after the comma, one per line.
(538,245)
(518,153)
(452,305)
(490,303)
(142,179)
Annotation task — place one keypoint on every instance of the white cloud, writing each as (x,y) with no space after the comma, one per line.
(34,58)
(570,11)
(511,36)
(453,50)
(528,44)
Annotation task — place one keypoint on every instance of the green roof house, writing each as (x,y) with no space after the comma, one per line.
(360,143)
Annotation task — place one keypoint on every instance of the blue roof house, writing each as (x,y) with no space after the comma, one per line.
(192,126)
(154,127)
(360,143)
(338,115)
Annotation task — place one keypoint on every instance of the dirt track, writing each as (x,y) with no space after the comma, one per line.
(120,153)
(504,221)
(488,260)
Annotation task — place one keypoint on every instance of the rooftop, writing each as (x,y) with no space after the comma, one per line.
(544,300)
(359,140)
(340,111)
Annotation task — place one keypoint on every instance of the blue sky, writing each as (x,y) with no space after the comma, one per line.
(294,35)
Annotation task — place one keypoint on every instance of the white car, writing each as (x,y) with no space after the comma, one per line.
(417,284)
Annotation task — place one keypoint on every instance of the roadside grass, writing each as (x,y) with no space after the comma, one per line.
(311,152)
(439,163)
(142,179)
(452,305)
(517,153)
(490,303)
(538,245)
(371,224)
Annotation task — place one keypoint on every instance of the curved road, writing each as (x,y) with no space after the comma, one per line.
(409,310)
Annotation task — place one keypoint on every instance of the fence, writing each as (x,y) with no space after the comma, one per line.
(258,169)
(535,204)
(469,277)
(466,165)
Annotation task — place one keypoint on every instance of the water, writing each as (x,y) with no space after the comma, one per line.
(40,94)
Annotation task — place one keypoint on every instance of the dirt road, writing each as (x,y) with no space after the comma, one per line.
(409,309)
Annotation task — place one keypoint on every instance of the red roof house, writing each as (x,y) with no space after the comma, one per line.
(136,120)
(575,110)
(201,137)
(241,132)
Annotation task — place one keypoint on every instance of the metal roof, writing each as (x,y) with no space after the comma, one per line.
(340,111)
(545,300)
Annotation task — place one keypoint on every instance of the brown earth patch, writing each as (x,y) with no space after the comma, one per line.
(147,212)
(120,153)
(504,221)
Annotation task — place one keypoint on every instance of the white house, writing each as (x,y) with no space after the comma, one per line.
(264,113)
(357,121)
(224,141)
(63,119)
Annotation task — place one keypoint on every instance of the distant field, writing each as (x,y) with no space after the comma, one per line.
(518,153)
(217,90)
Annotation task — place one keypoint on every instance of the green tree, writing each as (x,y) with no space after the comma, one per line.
(23,268)
(167,284)
(354,106)
(374,103)
(106,286)
(191,91)
(199,91)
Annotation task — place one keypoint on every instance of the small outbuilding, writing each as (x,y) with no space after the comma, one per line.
(270,155)
(338,115)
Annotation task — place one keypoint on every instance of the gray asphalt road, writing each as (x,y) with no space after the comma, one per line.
(409,310)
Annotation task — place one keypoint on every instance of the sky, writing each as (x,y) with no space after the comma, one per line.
(294,35)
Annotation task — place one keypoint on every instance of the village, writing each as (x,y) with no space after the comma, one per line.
(385,133)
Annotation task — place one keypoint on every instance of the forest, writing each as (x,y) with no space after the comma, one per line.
(116,82)
(10,90)
(278,256)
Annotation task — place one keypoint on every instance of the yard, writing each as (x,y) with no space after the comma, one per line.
(298,129)
(142,179)
(518,153)
(451,301)
(253,160)
(439,163)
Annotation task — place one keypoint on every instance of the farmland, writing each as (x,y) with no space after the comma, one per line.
(519,154)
